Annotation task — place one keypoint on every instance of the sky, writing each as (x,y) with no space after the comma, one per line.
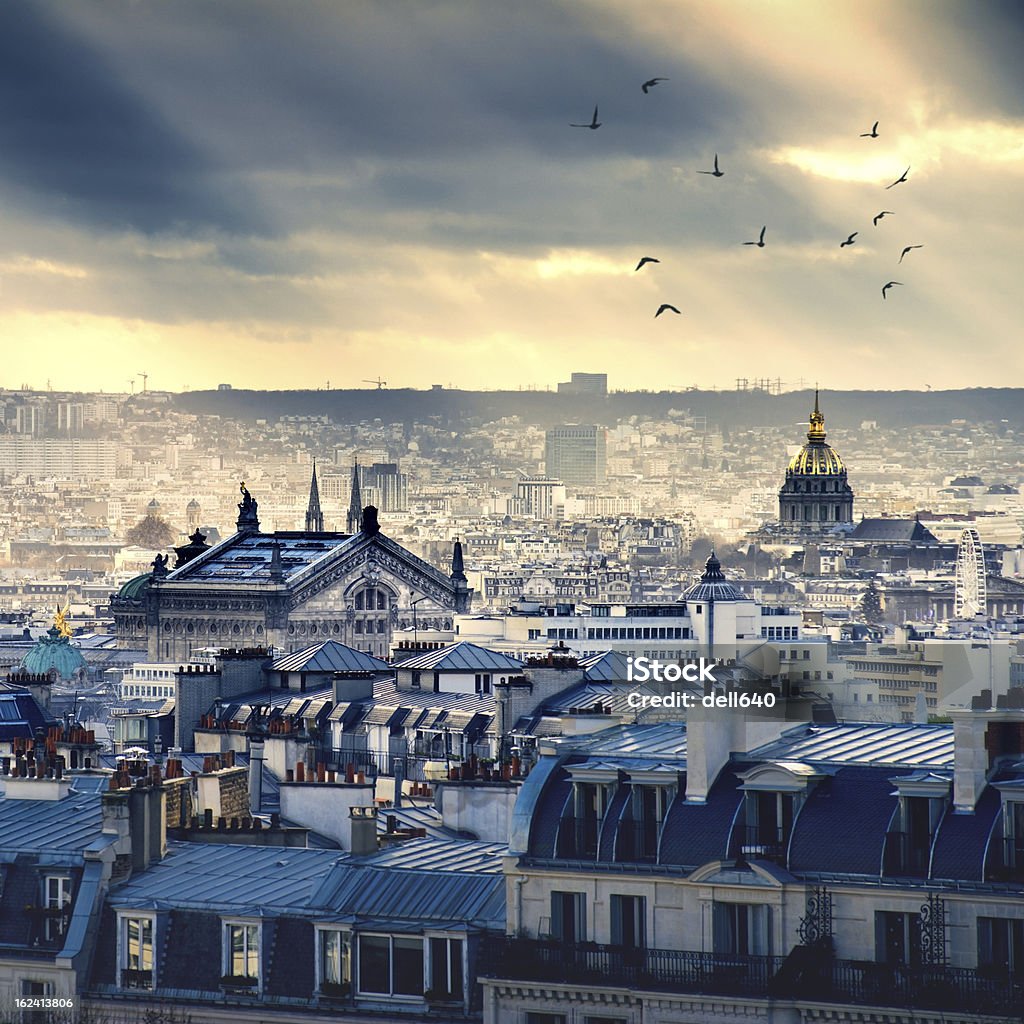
(301,194)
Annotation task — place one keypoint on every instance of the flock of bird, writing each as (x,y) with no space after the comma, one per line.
(851,239)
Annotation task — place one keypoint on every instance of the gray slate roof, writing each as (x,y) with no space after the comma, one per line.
(463,657)
(330,656)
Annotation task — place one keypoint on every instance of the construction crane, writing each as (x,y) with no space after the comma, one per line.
(381,384)
(131,382)
(145,377)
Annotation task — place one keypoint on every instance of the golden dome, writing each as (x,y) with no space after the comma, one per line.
(816,458)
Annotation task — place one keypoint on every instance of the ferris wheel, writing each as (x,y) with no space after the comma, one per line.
(970,600)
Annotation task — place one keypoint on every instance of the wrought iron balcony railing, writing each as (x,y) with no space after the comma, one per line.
(808,973)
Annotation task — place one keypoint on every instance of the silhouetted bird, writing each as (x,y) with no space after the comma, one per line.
(876,219)
(646,259)
(902,177)
(907,249)
(652,82)
(886,287)
(850,240)
(663,307)
(873,134)
(593,124)
(759,242)
(716,172)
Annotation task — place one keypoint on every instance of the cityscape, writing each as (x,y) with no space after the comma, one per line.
(511,514)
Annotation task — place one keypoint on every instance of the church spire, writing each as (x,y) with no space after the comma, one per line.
(314,517)
(817,431)
(355,504)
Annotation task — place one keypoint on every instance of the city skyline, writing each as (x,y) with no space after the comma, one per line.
(383,192)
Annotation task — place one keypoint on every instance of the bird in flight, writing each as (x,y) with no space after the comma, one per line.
(716,172)
(646,259)
(597,124)
(902,177)
(850,240)
(651,82)
(886,287)
(873,134)
(663,307)
(876,219)
(907,249)
(759,242)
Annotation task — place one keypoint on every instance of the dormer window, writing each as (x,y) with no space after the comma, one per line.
(241,955)
(908,845)
(639,829)
(136,959)
(580,829)
(774,793)
(57,903)
(1006,851)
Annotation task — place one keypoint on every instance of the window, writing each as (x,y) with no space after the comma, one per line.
(241,950)
(56,896)
(446,968)
(590,1019)
(1000,945)
(569,916)
(391,965)
(137,952)
(741,928)
(769,823)
(897,938)
(628,921)
(533,1017)
(335,957)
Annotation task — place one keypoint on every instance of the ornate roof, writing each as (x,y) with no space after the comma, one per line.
(54,652)
(816,458)
(712,585)
(135,588)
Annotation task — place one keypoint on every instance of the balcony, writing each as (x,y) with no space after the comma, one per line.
(637,841)
(763,843)
(807,974)
(907,854)
(577,838)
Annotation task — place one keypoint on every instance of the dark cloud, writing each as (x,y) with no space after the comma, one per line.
(81,143)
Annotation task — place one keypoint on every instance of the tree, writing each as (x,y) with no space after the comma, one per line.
(152,532)
(871,603)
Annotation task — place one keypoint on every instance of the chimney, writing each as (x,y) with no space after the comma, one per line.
(364,830)
(255,771)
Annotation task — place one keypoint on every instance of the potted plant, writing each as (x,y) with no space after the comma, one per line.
(244,982)
(335,989)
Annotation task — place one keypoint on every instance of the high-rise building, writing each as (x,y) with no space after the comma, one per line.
(70,418)
(541,497)
(584,384)
(576,454)
(384,486)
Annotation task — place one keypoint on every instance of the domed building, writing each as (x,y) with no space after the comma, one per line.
(53,655)
(816,495)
